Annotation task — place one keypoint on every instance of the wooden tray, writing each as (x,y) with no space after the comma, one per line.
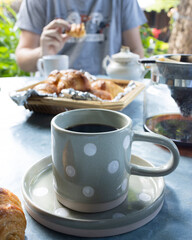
(52,105)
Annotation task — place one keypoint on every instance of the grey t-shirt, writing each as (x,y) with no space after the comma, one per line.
(105,20)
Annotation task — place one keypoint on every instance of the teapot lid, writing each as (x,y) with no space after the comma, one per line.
(125,55)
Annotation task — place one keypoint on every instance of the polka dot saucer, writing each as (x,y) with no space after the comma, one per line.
(144,201)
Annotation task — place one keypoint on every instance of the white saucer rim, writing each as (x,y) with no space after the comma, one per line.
(103,232)
(35,208)
(26,197)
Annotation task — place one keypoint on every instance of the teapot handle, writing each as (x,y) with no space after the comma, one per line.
(106,61)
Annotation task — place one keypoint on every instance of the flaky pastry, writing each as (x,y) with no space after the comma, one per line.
(46,88)
(74,79)
(49,86)
(12,218)
(54,77)
(108,86)
(77,30)
(78,80)
(102,94)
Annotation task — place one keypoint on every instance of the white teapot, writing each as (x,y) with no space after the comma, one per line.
(124,65)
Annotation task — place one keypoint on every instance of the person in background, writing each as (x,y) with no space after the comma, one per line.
(109,24)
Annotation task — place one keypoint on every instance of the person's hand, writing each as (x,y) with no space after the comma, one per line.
(52,38)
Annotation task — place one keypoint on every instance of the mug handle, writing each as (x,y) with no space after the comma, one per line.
(163,169)
(40,66)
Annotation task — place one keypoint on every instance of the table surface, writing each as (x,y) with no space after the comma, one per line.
(25,139)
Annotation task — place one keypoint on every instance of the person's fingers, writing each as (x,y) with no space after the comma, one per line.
(52,46)
(52,39)
(58,23)
(65,37)
(51,43)
(52,33)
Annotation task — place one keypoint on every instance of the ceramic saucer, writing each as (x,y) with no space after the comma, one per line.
(143,203)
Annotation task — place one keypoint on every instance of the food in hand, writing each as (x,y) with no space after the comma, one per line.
(12,218)
(77,30)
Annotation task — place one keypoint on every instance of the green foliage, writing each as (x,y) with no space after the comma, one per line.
(9,36)
(152,46)
(160,5)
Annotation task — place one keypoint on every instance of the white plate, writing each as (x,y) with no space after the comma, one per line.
(143,203)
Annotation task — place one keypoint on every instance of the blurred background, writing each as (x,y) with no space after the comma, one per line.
(168,30)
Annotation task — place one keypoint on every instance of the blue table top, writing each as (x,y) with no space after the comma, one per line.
(25,139)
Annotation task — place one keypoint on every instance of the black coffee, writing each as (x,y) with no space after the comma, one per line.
(91,128)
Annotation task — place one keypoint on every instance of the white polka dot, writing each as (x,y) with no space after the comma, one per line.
(88,191)
(144,197)
(70,170)
(90,149)
(118,215)
(39,192)
(126,142)
(61,212)
(124,184)
(113,167)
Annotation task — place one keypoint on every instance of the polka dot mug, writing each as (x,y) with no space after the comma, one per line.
(91,152)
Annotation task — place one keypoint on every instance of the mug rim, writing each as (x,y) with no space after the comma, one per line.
(47,57)
(128,124)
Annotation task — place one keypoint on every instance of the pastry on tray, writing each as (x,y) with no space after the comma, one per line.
(107,86)
(12,218)
(73,79)
(78,80)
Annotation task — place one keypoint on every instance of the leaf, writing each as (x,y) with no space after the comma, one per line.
(152,46)
(160,5)
(3,49)
(9,37)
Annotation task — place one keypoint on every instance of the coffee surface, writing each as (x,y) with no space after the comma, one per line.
(91,128)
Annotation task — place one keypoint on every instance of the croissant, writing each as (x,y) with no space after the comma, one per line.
(54,77)
(12,218)
(74,79)
(107,85)
(46,88)
(49,86)
(78,80)
(77,30)
(102,94)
